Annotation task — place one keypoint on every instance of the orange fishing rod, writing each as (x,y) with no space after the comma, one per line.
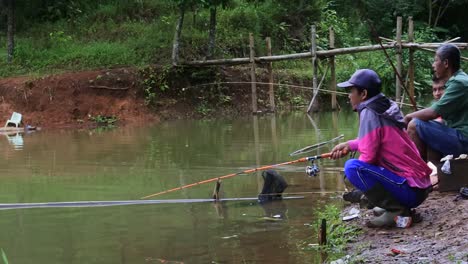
(305,159)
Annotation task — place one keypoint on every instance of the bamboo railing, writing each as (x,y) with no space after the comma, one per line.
(398,45)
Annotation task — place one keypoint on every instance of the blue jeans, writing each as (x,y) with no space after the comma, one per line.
(442,138)
(364,176)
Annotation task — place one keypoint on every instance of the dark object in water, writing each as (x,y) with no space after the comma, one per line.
(273,186)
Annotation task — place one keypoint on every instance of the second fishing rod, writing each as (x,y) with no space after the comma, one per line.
(311,170)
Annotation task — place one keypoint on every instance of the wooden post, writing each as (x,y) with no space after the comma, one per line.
(398,58)
(257,151)
(313,52)
(322,236)
(271,90)
(216,190)
(331,45)
(253,78)
(411,57)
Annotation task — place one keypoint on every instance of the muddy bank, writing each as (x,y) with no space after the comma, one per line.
(139,96)
(440,238)
(71,99)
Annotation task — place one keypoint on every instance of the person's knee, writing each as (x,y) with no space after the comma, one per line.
(351,164)
(350,168)
(412,125)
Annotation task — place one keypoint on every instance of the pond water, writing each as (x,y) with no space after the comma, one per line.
(129,163)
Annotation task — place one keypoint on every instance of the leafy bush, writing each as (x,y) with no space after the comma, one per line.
(339,233)
(104,121)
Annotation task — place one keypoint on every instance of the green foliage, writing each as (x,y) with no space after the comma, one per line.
(203,108)
(73,35)
(60,37)
(104,121)
(339,233)
(154,81)
(298,101)
(330,19)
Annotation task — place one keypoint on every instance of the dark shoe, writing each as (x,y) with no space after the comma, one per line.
(353,196)
(357,196)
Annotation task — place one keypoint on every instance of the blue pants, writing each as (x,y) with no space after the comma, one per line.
(442,138)
(364,176)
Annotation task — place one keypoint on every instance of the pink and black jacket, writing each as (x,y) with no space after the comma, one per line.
(383,141)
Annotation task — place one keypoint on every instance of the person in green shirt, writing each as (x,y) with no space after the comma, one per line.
(451,136)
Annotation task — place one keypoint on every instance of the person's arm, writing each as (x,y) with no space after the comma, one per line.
(424,115)
(370,136)
(344,148)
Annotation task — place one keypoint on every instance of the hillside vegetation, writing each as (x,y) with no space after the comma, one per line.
(70,35)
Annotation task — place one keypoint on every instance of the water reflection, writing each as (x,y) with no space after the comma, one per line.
(128,163)
(16,140)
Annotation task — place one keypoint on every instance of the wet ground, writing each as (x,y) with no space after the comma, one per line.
(440,238)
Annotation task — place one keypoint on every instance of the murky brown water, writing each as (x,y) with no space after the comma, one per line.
(128,163)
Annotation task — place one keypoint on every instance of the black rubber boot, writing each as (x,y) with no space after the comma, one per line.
(382,198)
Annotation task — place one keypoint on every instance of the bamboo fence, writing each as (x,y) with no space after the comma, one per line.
(398,45)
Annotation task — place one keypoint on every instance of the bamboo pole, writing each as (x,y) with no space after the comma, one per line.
(387,39)
(313,52)
(434,51)
(331,45)
(411,57)
(320,54)
(253,78)
(271,90)
(460,45)
(257,151)
(398,58)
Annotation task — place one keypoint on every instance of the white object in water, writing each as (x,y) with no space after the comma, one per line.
(15,119)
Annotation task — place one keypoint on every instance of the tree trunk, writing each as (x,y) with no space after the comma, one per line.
(441,12)
(177,34)
(212,37)
(429,5)
(10,29)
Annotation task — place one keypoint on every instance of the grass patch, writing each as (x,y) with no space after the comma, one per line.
(106,122)
(339,233)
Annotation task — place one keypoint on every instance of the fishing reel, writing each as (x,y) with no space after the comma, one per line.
(312,170)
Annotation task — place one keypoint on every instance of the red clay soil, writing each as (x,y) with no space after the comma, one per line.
(441,237)
(70,99)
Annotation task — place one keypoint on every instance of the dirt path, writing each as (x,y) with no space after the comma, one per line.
(442,236)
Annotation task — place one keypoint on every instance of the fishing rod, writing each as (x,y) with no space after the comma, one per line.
(79,204)
(310,170)
(315,146)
